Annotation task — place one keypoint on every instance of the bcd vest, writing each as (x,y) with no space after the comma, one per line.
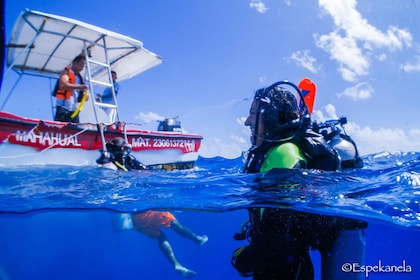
(318,154)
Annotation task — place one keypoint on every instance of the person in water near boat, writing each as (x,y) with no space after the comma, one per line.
(69,91)
(280,239)
(118,156)
(151,223)
(107,97)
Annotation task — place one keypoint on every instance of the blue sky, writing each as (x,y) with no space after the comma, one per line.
(364,57)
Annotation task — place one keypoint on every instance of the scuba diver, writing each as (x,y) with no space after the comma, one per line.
(283,136)
(118,156)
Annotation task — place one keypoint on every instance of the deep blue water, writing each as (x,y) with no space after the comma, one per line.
(56,222)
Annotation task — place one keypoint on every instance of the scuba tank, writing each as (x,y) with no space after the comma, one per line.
(336,137)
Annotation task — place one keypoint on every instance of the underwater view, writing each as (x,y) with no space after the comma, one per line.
(66,222)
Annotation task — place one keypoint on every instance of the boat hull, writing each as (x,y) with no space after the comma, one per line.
(26,141)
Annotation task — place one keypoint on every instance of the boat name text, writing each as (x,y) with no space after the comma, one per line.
(47,138)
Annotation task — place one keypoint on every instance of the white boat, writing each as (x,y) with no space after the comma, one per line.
(43,45)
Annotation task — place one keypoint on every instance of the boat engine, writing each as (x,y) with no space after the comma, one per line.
(170,124)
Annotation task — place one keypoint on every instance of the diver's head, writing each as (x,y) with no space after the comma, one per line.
(278,108)
(118,145)
(273,110)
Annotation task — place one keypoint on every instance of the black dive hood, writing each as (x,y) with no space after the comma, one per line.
(289,128)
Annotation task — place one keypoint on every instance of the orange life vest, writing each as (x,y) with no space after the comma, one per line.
(65,94)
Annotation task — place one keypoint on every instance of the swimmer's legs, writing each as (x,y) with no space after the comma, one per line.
(166,249)
(187,233)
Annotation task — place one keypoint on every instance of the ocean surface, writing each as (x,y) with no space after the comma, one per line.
(62,222)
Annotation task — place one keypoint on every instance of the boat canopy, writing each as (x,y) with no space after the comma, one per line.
(44,44)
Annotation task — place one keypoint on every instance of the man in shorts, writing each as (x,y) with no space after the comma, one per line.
(151,223)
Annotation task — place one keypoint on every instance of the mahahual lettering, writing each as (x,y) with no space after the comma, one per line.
(47,138)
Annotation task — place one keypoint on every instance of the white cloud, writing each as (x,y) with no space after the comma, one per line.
(149,117)
(330,113)
(259,6)
(370,140)
(358,92)
(231,147)
(382,57)
(354,39)
(412,67)
(415,132)
(262,80)
(305,60)
(383,139)
(239,139)
(351,22)
(344,50)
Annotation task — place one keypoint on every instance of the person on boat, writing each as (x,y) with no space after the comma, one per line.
(151,223)
(280,239)
(69,90)
(107,97)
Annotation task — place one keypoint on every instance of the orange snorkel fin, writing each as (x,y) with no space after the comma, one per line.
(308,89)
